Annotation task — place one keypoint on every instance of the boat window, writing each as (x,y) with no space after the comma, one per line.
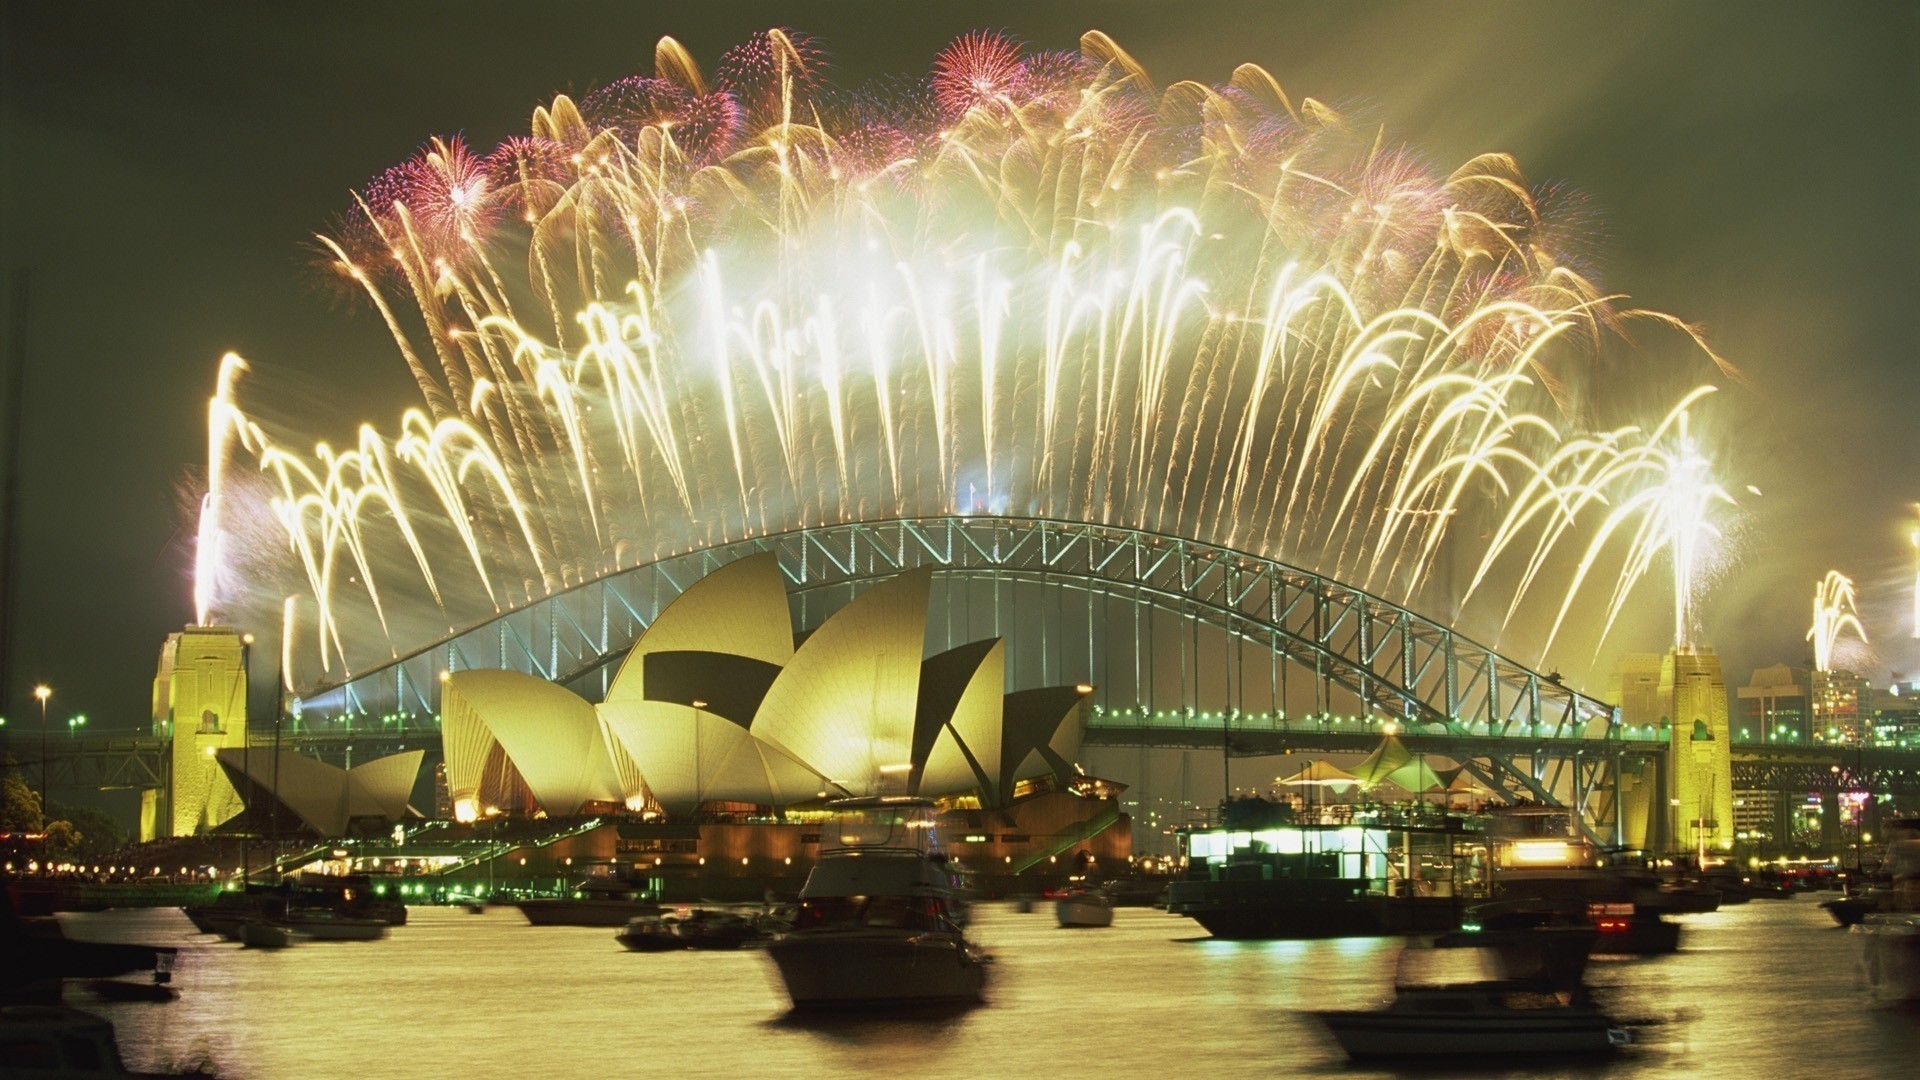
(884,827)
(890,912)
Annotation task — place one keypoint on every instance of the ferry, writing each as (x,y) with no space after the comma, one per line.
(1377,871)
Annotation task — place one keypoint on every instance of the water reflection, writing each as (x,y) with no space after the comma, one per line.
(1761,990)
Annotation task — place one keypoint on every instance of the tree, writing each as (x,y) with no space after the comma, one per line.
(98,832)
(19,806)
(63,840)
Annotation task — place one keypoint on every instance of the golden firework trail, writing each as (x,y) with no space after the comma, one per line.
(1834,612)
(685,310)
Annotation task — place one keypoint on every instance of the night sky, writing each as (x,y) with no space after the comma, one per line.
(1753,166)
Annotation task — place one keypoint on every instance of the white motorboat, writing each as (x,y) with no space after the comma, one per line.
(1084,907)
(880,924)
(323,925)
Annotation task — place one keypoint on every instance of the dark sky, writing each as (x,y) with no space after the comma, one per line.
(1754,166)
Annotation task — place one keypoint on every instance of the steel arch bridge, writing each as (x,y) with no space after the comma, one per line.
(1180,638)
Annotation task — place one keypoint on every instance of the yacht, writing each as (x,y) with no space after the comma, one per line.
(1483,1002)
(597,901)
(322,924)
(880,922)
(1546,875)
(1081,906)
(1891,935)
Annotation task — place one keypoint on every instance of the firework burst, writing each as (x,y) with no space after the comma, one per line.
(684,311)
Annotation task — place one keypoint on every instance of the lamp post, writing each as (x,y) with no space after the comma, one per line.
(43,692)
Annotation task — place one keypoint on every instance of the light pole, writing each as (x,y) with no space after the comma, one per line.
(43,692)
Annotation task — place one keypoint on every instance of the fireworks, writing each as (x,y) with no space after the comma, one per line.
(1833,613)
(683,312)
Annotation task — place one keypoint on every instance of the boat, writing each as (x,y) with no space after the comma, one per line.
(649,933)
(349,896)
(1522,1009)
(261,934)
(1890,936)
(1263,874)
(880,923)
(1546,875)
(36,956)
(325,925)
(1084,907)
(597,901)
(56,1041)
(1851,910)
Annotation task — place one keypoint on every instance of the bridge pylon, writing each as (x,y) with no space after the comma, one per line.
(1684,694)
(199,706)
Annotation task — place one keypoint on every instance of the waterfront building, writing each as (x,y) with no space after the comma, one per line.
(717,704)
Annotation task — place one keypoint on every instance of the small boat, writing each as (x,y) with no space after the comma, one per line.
(718,931)
(261,934)
(594,902)
(1851,910)
(1084,907)
(649,933)
(880,924)
(324,925)
(1432,1017)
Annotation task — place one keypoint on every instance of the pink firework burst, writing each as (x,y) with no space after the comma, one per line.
(760,71)
(449,194)
(632,103)
(530,173)
(708,126)
(980,68)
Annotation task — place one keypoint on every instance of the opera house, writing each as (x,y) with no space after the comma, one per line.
(719,705)
(723,733)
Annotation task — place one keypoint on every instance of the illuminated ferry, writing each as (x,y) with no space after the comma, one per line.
(1341,872)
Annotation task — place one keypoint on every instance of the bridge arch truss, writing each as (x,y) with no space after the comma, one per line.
(1172,633)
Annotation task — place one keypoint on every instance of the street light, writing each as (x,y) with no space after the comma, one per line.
(75,723)
(43,692)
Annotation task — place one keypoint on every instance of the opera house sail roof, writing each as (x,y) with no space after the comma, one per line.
(715,703)
(320,797)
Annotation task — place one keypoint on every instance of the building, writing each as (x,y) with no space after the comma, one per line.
(289,794)
(1842,706)
(1777,706)
(1896,713)
(720,714)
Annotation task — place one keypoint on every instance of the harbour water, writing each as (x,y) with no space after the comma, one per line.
(1763,990)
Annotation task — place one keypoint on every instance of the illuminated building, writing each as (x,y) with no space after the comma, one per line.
(1777,706)
(717,708)
(314,797)
(1842,706)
